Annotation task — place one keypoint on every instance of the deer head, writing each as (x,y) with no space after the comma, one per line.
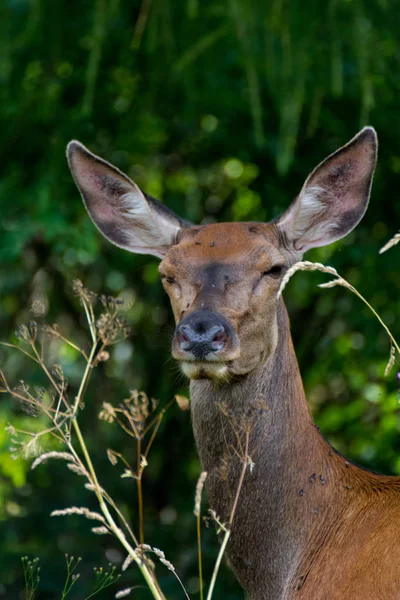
(223,279)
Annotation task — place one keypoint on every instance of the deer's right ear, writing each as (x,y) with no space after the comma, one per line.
(123,214)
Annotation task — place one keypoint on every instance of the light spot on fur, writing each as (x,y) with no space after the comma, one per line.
(204,370)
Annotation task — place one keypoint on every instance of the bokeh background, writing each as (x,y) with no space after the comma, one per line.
(220,108)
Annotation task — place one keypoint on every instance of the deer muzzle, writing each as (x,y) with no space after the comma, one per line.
(205,336)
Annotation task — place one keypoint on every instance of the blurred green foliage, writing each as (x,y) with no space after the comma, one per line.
(219,108)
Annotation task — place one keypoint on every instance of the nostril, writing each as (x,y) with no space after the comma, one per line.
(218,338)
(181,336)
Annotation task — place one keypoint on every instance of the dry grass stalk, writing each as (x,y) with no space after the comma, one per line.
(392,242)
(127,562)
(78,510)
(392,359)
(161,557)
(100,530)
(123,593)
(199,490)
(305,265)
(197,511)
(44,457)
(78,469)
(309,266)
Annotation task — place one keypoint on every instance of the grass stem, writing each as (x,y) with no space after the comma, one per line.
(231,517)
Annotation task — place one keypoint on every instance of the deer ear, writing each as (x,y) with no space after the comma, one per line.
(334,198)
(124,215)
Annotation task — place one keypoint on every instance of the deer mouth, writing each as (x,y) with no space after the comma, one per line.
(195,369)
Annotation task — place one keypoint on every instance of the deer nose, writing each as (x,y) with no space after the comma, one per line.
(201,333)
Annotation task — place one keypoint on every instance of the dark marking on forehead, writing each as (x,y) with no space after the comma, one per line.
(216,275)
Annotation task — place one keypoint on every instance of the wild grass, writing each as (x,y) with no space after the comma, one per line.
(31,576)
(392,242)
(311,266)
(102,578)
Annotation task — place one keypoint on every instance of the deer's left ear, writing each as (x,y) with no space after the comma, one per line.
(334,198)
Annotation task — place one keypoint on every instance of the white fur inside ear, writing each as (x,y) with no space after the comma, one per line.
(305,216)
(136,206)
(146,227)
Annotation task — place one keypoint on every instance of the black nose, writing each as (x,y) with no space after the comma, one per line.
(202,332)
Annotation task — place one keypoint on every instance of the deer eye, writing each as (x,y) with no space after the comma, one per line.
(168,279)
(275,271)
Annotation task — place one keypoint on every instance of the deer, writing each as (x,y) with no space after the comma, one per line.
(309,524)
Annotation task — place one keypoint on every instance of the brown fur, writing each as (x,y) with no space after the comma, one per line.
(309,524)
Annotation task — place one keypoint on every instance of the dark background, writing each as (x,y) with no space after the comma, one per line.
(219,108)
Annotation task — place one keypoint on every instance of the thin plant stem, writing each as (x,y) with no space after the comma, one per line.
(90,319)
(236,434)
(231,517)
(141,24)
(139,490)
(20,349)
(159,417)
(124,427)
(353,289)
(182,586)
(92,322)
(140,468)
(152,437)
(218,563)
(68,584)
(26,400)
(42,340)
(15,394)
(69,343)
(121,516)
(85,378)
(242,474)
(140,509)
(45,369)
(310,266)
(199,555)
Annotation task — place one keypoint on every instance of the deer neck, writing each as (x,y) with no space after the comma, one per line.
(283,497)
